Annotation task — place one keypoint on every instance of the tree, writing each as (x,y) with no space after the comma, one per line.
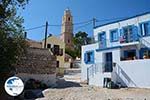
(12,42)
(70,52)
(81,38)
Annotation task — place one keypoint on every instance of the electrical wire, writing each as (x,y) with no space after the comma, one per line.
(83,26)
(76,24)
(35,28)
(83,22)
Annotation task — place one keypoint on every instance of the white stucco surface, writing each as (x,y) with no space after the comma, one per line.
(48,79)
(118,25)
(137,73)
(83,65)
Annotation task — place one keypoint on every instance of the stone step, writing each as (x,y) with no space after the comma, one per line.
(72,71)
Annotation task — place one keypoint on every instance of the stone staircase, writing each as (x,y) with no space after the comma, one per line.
(73,75)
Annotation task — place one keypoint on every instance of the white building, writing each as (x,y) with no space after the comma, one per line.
(121,53)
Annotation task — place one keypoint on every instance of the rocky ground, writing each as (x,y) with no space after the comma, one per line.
(69,89)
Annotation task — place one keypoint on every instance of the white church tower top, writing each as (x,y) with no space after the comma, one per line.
(67,12)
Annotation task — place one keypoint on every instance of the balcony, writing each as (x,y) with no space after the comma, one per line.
(128,39)
(129,34)
(106,43)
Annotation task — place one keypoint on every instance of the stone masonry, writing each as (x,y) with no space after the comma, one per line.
(37,61)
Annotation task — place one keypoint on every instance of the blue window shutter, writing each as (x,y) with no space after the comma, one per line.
(118,34)
(89,57)
(114,35)
(121,35)
(85,57)
(148,28)
(121,32)
(143,29)
(139,30)
(92,57)
(111,36)
(98,36)
(135,33)
(104,39)
(99,40)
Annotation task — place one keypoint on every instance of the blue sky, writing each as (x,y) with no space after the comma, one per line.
(37,12)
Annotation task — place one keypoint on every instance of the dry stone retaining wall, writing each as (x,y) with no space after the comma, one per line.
(37,61)
(37,64)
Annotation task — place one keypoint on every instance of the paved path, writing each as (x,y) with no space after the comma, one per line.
(69,88)
(95,93)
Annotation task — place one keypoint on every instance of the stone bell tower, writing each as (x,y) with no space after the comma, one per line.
(67,29)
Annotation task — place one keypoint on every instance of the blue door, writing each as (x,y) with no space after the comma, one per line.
(108,62)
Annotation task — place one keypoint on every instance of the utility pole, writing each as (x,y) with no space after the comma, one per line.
(46,27)
(94,22)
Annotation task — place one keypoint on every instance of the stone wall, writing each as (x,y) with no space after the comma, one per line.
(33,43)
(37,64)
(37,61)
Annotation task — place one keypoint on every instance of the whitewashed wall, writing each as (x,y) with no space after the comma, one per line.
(119,25)
(137,70)
(97,79)
(134,73)
(85,66)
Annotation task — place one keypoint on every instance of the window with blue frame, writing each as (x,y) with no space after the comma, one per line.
(102,39)
(114,35)
(145,28)
(89,57)
(129,34)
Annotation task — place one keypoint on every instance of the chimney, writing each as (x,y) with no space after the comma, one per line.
(25,35)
